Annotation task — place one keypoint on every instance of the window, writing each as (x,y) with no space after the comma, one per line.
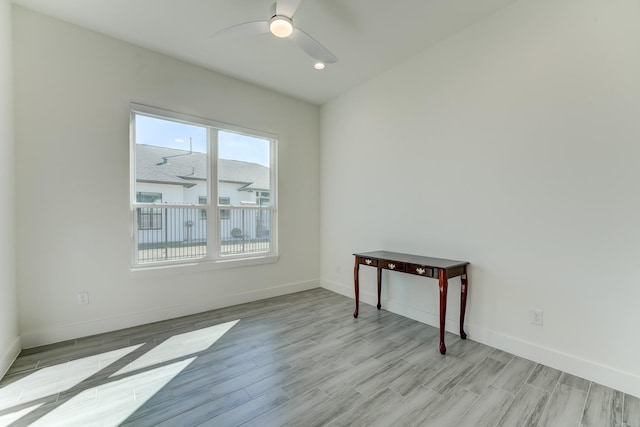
(203,212)
(149,218)
(224,213)
(180,162)
(262,198)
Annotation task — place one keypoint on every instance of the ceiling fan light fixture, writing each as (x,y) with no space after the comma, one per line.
(281,26)
(319,65)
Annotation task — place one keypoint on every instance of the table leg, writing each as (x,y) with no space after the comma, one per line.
(379,285)
(356,286)
(443,285)
(463,301)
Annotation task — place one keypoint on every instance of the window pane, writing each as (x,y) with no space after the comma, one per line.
(171,167)
(244,182)
(171,160)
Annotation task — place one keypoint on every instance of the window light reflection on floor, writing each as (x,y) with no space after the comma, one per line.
(112,403)
(52,380)
(179,346)
(8,419)
(123,393)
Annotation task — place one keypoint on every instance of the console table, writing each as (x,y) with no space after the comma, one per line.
(442,269)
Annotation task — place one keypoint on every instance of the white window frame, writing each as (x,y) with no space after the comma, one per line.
(213,258)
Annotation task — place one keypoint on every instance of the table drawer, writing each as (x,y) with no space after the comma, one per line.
(392,265)
(368,261)
(419,270)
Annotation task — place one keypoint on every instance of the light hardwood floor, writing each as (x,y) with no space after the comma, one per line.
(299,360)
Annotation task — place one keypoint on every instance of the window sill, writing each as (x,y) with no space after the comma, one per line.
(203,265)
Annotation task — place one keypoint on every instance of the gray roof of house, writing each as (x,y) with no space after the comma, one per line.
(181,167)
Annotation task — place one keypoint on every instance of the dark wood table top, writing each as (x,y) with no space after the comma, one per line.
(445,264)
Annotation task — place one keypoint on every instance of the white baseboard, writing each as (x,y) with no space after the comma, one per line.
(77,330)
(572,364)
(9,356)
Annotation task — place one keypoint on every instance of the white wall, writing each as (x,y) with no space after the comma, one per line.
(72,90)
(513,145)
(9,341)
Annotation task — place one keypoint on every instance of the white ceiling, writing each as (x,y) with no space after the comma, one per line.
(368,36)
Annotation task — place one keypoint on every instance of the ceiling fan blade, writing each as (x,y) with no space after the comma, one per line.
(287,7)
(312,47)
(242,30)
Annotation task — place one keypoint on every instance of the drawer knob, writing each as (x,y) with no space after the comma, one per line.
(368,261)
(392,266)
(420,270)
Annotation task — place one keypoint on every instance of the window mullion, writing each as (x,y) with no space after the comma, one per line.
(213,221)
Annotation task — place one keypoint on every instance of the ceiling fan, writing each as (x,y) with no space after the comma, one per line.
(281,25)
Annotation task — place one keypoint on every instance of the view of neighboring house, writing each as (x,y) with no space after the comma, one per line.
(179,177)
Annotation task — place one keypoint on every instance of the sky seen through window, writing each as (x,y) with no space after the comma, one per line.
(172,134)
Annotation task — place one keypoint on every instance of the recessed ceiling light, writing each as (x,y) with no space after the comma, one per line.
(319,66)
(281,26)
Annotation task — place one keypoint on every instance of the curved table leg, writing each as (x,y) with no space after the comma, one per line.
(356,287)
(463,301)
(443,285)
(379,285)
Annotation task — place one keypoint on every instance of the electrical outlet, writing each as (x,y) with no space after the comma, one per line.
(338,269)
(83,298)
(535,316)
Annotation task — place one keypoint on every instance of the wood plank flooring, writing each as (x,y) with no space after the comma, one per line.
(296,360)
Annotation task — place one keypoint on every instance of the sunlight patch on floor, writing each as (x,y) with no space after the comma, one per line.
(179,346)
(6,420)
(54,379)
(112,403)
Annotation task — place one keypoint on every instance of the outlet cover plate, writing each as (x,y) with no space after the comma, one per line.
(535,317)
